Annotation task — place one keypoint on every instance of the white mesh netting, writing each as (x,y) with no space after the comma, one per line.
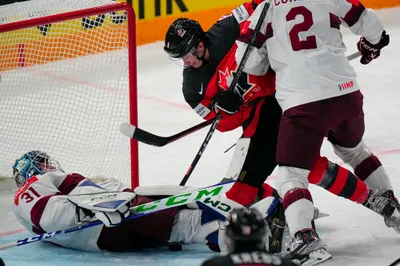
(64,88)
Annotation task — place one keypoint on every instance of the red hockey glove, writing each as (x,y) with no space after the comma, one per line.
(371,51)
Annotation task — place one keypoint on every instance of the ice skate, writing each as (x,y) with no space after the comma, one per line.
(392,220)
(279,239)
(277,224)
(383,204)
(308,249)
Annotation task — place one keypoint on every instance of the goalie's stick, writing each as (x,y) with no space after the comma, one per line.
(202,194)
(146,137)
(231,87)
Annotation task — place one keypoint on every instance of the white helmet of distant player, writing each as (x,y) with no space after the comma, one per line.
(33,163)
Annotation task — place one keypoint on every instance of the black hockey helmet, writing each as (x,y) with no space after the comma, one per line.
(182,36)
(246,228)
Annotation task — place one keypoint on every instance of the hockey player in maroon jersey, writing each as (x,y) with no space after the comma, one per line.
(318,91)
(209,66)
(49,199)
(246,239)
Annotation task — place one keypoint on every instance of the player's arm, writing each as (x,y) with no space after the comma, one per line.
(44,206)
(361,21)
(201,97)
(257,62)
(364,22)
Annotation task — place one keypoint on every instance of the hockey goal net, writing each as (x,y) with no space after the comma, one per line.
(68,80)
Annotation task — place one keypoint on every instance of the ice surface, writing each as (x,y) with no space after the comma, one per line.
(354,235)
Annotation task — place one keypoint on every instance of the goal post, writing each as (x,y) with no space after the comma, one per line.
(68,79)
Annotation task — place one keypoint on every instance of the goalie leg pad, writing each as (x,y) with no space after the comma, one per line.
(193,226)
(238,158)
(92,197)
(163,190)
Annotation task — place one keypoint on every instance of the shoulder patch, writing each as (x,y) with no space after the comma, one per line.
(240,13)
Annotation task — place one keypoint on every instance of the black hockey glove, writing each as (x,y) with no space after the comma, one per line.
(371,51)
(227,101)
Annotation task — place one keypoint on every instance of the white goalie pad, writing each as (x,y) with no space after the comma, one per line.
(265,205)
(102,201)
(90,196)
(164,190)
(238,158)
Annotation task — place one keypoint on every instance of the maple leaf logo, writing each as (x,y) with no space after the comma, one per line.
(225,79)
(244,88)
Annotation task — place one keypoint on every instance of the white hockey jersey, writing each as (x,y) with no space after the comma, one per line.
(41,205)
(305,47)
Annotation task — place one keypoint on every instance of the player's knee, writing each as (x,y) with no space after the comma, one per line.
(353,156)
(290,178)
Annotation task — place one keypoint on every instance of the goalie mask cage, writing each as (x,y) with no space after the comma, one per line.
(68,80)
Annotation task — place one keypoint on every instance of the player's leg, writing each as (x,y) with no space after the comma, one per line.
(301,133)
(348,145)
(256,150)
(343,183)
(150,231)
(338,180)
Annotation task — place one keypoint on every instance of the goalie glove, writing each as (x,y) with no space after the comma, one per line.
(109,219)
(93,201)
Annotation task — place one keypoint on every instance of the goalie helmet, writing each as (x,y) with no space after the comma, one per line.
(246,230)
(33,163)
(182,36)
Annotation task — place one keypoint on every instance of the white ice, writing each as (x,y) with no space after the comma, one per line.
(354,235)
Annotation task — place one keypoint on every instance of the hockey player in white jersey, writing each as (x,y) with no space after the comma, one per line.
(319,95)
(49,199)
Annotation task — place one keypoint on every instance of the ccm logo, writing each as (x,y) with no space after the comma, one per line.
(103,197)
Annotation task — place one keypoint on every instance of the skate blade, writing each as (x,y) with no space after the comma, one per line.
(322,215)
(316,257)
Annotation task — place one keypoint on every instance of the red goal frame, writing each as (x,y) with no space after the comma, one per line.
(132,68)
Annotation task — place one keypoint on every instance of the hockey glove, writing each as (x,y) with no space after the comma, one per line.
(227,101)
(109,219)
(371,51)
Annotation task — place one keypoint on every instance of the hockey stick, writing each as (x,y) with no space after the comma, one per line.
(396,262)
(202,194)
(231,87)
(146,137)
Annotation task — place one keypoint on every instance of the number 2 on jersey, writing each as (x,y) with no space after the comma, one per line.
(310,42)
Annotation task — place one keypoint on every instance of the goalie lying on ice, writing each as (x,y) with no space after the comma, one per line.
(49,199)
